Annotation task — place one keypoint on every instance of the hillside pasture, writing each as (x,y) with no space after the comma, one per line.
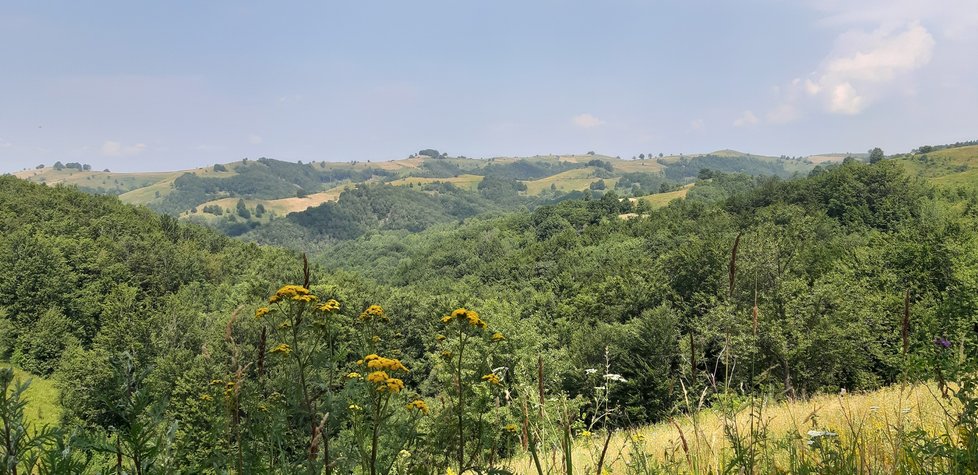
(465,182)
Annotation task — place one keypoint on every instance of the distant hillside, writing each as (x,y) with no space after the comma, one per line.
(237,197)
(944,166)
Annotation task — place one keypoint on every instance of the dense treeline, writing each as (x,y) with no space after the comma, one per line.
(368,208)
(830,257)
(764,285)
(264,178)
(83,277)
(690,167)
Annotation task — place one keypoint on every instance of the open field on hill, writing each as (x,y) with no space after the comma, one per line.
(280,207)
(659,200)
(956,166)
(577,179)
(465,182)
(42,395)
(111,182)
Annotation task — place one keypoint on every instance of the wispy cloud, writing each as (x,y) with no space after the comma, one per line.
(255,139)
(586,121)
(746,119)
(112,148)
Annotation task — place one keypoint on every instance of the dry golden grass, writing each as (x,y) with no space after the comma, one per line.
(869,422)
(826,158)
(660,200)
(644,166)
(578,179)
(280,207)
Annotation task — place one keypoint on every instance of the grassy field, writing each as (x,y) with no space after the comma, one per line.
(951,167)
(866,423)
(465,182)
(111,182)
(279,207)
(578,179)
(660,200)
(42,396)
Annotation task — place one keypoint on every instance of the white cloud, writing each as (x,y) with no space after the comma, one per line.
(746,119)
(255,139)
(862,68)
(111,148)
(586,121)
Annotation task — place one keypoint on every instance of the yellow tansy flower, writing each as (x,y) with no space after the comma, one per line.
(261,312)
(378,377)
(282,348)
(388,364)
(393,385)
(330,305)
(373,312)
(419,405)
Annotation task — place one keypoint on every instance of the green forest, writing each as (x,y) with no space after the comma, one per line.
(434,329)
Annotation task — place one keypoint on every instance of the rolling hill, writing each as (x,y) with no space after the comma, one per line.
(284,187)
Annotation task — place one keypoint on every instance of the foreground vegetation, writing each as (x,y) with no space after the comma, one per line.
(469,345)
(874,432)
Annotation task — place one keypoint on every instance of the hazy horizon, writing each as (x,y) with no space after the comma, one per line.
(137,87)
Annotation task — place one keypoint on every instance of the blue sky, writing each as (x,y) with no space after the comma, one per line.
(165,85)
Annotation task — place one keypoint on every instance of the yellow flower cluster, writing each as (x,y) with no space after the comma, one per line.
(394,385)
(491,378)
(419,405)
(294,292)
(206,397)
(355,408)
(373,312)
(511,428)
(353,375)
(329,306)
(377,377)
(229,388)
(464,315)
(282,348)
(377,362)
(497,337)
(384,382)
(261,312)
